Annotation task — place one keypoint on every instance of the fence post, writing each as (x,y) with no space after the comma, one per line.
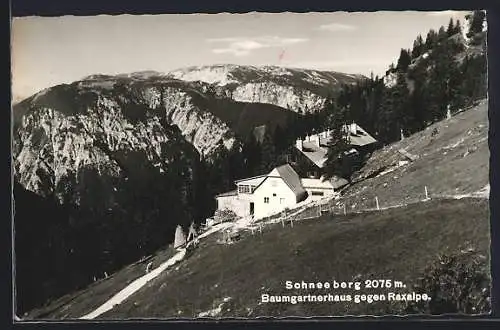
(426,193)
(291,222)
(344,210)
(376,201)
(260,227)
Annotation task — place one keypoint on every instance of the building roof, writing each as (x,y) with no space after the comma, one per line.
(318,154)
(334,182)
(358,136)
(292,179)
(262,176)
(338,182)
(226,194)
(316,183)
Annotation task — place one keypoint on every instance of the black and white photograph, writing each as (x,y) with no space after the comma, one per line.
(254,165)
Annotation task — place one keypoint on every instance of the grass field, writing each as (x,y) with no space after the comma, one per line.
(453,161)
(84,301)
(392,244)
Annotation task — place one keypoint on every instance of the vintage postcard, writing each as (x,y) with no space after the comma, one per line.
(214,166)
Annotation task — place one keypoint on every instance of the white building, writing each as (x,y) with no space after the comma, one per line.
(271,193)
(315,147)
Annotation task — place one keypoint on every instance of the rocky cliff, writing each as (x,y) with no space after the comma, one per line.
(70,127)
(295,89)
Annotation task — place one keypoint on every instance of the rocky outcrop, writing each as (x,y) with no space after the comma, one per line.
(52,147)
(55,138)
(290,88)
(287,97)
(201,128)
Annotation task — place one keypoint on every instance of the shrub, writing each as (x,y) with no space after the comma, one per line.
(224,215)
(457,283)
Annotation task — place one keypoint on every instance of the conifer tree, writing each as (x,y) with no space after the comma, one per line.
(251,155)
(418,47)
(441,34)
(451,28)
(279,139)
(403,115)
(431,39)
(268,159)
(404,60)
(336,163)
(458,27)
(417,107)
(476,21)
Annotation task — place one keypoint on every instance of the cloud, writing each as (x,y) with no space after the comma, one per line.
(323,65)
(335,27)
(444,13)
(242,46)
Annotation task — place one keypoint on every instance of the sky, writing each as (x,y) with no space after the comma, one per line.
(48,51)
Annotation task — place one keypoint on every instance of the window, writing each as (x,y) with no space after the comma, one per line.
(317,193)
(274,195)
(266,200)
(244,189)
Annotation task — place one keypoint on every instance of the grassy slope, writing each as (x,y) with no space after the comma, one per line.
(444,170)
(441,167)
(84,301)
(396,244)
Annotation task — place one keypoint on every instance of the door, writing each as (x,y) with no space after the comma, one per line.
(251,208)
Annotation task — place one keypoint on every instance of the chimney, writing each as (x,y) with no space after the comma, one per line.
(315,138)
(348,131)
(353,128)
(298,144)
